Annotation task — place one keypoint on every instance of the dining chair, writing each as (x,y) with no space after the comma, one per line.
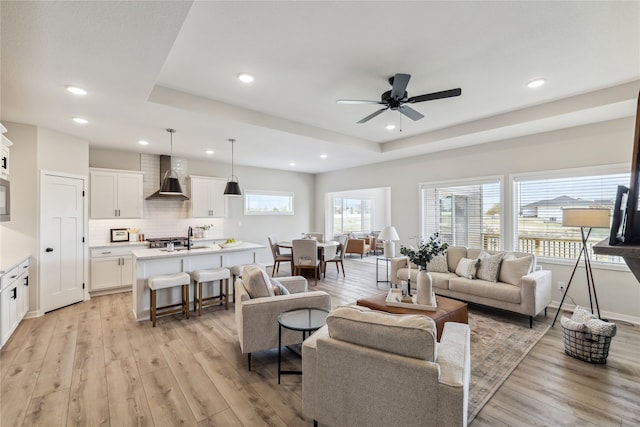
(339,258)
(318,236)
(277,256)
(305,256)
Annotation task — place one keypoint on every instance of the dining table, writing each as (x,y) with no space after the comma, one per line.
(326,250)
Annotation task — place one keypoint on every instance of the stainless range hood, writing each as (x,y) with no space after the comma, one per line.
(167,182)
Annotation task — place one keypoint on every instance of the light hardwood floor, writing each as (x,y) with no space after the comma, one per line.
(91,364)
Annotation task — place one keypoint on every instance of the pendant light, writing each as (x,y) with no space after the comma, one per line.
(232,188)
(170,183)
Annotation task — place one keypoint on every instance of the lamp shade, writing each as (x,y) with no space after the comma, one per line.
(389,233)
(170,184)
(586,217)
(232,189)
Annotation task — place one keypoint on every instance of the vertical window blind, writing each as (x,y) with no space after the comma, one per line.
(465,213)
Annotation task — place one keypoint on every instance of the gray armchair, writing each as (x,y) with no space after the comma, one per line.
(368,368)
(256,317)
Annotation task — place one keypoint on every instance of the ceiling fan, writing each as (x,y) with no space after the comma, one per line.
(397,97)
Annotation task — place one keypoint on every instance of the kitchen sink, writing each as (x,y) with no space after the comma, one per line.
(183,248)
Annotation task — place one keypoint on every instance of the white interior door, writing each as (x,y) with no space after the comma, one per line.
(61,245)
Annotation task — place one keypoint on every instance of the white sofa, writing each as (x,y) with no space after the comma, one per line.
(257,317)
(368,368)
(520,286)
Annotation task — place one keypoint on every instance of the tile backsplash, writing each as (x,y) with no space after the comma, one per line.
(161,218)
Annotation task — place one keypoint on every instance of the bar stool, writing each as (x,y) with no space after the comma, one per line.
(210,275)
(169,281)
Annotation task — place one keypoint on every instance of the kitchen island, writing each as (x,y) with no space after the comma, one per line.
(153,262)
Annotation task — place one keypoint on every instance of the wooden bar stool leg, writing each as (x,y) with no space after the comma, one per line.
(153,307)
(200,286)
(195,292)
(186,300)
(226,294)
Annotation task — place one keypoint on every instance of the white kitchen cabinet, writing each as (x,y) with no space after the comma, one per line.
(207,197)
(14,299)
(4,156)
(116,194)
(112,267)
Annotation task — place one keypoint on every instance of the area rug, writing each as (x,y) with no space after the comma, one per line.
(499,342)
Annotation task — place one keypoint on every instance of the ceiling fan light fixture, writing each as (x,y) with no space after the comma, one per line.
(536,83)
(245,77)
(232,188)
(170,183)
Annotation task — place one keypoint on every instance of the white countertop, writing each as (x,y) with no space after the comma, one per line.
(10,261)
(119,245)
(198,249)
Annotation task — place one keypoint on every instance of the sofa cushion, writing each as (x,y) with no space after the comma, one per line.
(441,280)
(438,264)
(408,335)
(513,268)
(454,255)
(467,267)
(497,291)
(489,266)
(256,282)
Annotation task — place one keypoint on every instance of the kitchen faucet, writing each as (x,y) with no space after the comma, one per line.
(189,236)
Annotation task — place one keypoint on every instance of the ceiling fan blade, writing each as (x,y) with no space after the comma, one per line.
(357,101)
(410,112)
(372,115)
(435,95)
(400,82)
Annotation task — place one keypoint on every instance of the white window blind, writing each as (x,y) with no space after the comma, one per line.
(538,206)
(465,213)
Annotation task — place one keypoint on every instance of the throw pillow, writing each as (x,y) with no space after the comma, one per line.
(513,268)
(438,264)
(408,335)
(600,327)
(489,266)
(278,288)
(256,282)
(582,315)
(467,268)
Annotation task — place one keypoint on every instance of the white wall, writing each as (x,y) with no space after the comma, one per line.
(597,144)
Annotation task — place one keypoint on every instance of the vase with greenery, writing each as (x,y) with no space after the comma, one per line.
(421,256)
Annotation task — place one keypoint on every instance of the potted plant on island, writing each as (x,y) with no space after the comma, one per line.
(427,249)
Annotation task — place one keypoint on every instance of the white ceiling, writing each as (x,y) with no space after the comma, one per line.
(152,65)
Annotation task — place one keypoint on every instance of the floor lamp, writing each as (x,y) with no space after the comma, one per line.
(586,219)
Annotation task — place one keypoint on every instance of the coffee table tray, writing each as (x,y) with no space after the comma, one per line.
(394,299)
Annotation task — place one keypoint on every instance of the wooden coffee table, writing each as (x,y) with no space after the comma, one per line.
(449,310)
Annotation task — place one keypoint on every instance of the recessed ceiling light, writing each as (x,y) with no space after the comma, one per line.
(390,127)
(323,156)
(80,120)
(245,77)
(76,90)
(143,142)
(292,164)
(209,151)
(535,83)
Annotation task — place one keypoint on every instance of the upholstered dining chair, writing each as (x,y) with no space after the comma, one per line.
(339,258)
(318,236)
(277,256)
(305,256)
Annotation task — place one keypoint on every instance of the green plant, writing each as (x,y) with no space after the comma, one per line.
(427,249)
(206,226)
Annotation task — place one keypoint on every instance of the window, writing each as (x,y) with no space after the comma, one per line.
(352,215)
(465,213)
(539,201)
(268,203)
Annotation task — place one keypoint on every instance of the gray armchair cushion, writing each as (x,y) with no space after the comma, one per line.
(407,335)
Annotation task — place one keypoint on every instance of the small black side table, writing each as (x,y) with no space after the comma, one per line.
(307,320)
(378,259)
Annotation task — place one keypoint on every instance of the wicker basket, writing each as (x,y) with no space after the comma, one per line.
(592,348)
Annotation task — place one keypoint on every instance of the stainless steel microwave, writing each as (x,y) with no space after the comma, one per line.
(5,200)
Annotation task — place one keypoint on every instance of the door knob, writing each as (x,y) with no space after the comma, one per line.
(49,250)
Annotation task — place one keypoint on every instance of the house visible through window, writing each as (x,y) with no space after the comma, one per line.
(539,202)
(465,213)
(352,215)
